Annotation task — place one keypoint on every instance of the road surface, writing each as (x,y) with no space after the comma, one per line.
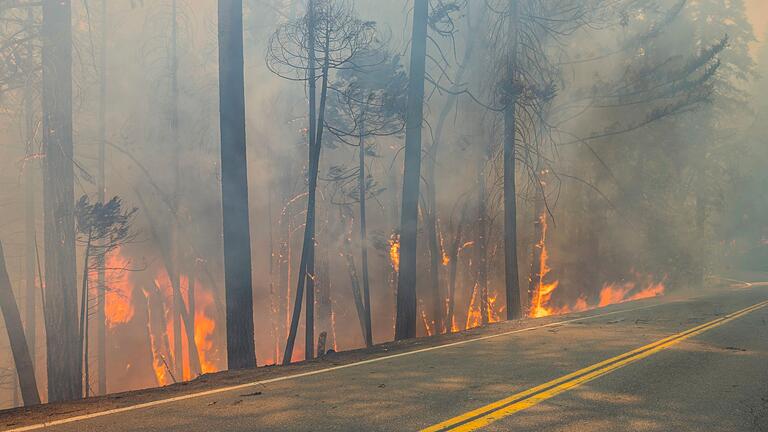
(696,364)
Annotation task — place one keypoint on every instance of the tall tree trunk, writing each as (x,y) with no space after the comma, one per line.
(364,237)
(21,358)
(84,309)
(64,365)
(30,217)
(241,350)
(175,268)
(353,277)
(453,270)
(482,242)
(312,84)
(189,324)
(307,262)
(431,183)
(435,260)
(405,323)
(537,247)
(101,328)
(512,278)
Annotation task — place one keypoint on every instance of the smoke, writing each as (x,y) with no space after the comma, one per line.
(652,199)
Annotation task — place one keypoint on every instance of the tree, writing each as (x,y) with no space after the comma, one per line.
(405,323)
(24,367)
(64,365)
(103,227)
(241,351)
(370,103)
(101,326)
(326,39)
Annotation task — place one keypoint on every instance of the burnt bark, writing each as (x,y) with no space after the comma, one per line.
(368,333)
(62,338)
(512,275)
(241,352)
(405,322)
(101,328)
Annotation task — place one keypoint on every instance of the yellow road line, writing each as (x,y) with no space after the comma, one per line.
(495,411)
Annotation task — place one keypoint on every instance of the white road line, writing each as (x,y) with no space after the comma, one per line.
(306,374)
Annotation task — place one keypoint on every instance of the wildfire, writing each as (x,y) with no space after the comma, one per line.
(542,294)
(118,306)
(394,251)
(445,258)
(611,293)
(204,327)
(620,293)
(475,311)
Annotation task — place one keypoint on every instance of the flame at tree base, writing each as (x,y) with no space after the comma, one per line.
(611,293)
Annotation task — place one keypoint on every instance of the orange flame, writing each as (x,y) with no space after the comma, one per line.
(541,303)
(542,295)
(205,325)
(394,251)
(619,293)
(118,305)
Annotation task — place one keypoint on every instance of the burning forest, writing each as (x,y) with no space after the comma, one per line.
(185,194)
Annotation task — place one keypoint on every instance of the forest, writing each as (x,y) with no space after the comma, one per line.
(194,186)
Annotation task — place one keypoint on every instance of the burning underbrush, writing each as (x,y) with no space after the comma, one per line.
(142,313)
(543,291)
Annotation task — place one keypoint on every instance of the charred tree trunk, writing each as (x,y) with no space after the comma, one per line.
(189,325)
(353,277)
(405,323)
(453,254)
(364,237)
(241,352)
(431,183)
(512,278)
(25,369)
(536,278)
(175,263)
(435,260)
(101,329)
(307,262)
(62,339)
(482,242)
(30,217)
(308,235)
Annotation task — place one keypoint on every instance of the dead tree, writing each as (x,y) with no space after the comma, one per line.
(24,366)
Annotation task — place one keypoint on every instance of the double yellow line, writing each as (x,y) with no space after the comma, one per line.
(488,414)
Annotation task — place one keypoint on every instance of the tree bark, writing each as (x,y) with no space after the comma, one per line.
(353,278)
(482,242)
(62,338)
(101,328)
(84,307)
(405,323)
(30,217)
(21,358)
(431,184)
(364,237)
(512,278)
(241,351)
(175,261)
(307,263)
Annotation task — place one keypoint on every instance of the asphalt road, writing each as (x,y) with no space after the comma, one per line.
(701,368)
